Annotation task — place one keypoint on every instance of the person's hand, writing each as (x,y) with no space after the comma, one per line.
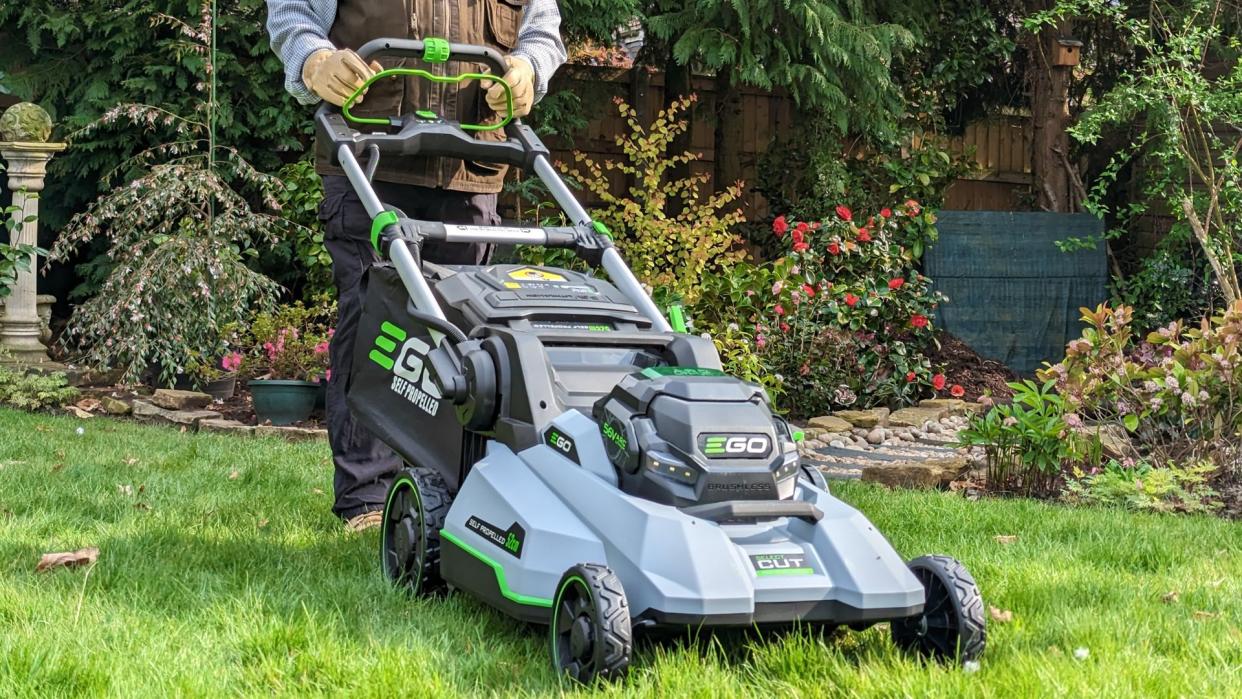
(334,75)
(521,79)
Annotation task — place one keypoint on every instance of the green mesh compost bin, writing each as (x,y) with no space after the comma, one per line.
(1013,296)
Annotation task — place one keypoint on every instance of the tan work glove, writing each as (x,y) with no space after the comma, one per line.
(334,75)
(521,79)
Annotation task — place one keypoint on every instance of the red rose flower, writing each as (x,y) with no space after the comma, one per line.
(938,382)
(784,327)
(918,320)
(802,227)
(851,300)
(886,212)
(912,207)
(895,284)
(780,226)
(808,290)
(910,377)
(780,310)
(957,391)
(864,235)
(834,248)
(797,236)
(844,212)
(801,247)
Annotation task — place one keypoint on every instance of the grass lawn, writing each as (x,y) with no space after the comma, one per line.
(222,571)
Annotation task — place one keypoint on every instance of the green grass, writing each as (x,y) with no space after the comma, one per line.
(208,585)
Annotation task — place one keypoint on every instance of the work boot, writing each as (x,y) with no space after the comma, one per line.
(364,521)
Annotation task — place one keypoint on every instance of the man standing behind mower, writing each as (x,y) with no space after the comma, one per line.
(316,40)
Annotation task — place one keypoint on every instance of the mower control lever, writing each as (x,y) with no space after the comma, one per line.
(465,373)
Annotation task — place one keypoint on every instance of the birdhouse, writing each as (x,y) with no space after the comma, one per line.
(1066,52)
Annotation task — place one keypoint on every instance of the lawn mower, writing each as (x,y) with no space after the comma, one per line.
(572,458)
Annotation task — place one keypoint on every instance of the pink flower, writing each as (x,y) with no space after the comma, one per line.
(864,235)
(919,320)
(784,327)
(957,391)
(938,382)
(231,362)
(910,377)
(851,300)
(886,212)
(834,248)
(844,212)
(895,284)
(779,309)
(912,207)
(760,341)
(327,375)
(321,348)
(801,247)
(808,290)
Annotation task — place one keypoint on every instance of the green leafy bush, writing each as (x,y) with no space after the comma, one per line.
(32,391)
(291,342)
(1140,486)
(670,253)
(1029,443)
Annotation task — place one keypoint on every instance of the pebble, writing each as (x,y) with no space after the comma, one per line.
(933,428)
(875,436)
(836,444)
(81,431)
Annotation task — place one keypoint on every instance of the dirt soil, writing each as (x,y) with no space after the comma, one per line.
(963,366)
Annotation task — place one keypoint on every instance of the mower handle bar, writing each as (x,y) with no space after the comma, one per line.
(415,48)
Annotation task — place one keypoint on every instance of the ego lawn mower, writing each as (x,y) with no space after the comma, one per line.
(575,461)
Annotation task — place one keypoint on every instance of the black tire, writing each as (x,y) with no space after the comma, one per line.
(417,503)
(814,476)
(591,633)
(952,626)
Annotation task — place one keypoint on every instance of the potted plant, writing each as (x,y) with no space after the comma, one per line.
(219,380)
(292,347)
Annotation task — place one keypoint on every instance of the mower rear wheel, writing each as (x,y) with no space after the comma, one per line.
(951,626)
(417,503)
(591,633)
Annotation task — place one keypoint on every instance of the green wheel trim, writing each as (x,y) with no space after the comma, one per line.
(528,600)
(556,655)
(379,223)
(420,73)
(422,534)
(435,50)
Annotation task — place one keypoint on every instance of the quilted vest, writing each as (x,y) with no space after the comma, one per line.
(492,23)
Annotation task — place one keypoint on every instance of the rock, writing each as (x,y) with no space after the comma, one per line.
(144,410)
(947,406)
(864,418)
(976,408)
(830,423)
(875,436)
(915,417)
(225,427)
(932,473)
(1114,440)
(170,399)
(292,434)
(933,428)
(115,406)
(837,444)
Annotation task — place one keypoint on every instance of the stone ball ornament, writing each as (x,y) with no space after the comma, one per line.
(25,122)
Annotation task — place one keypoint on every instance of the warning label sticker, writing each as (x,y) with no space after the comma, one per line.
(530,274)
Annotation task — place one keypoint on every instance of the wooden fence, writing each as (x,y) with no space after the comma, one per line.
(1001,145)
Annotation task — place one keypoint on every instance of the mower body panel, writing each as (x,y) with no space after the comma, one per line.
(677,569)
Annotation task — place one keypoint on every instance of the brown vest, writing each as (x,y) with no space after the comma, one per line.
(492,23)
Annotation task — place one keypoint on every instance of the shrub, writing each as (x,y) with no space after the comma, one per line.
(179,236)
(33,391)
(1029,443)
(842,317)
(669,253)
(292,342)
(300,261)
(1141,486)
(1179,390)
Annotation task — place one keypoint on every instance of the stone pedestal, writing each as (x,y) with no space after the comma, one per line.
(20,328)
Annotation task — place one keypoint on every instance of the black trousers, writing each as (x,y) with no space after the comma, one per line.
(364,466)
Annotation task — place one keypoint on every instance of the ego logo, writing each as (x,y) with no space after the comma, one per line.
(562,444)
(735,446)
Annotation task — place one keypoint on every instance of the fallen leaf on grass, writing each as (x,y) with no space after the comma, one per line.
(316,491)
(1005,538)
(130,461)
(263,522)
(1205,615)
(1003,616)
(78,412)
(1169,597)
(124,489)
(1216,583)
(41,428)
(72,559)
(88,404)
(141,506)
(233,475)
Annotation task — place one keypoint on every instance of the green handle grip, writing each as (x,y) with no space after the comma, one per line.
(420,73)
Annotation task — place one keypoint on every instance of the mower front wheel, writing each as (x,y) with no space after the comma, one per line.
(951,626)
(591,633)
(417,503)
